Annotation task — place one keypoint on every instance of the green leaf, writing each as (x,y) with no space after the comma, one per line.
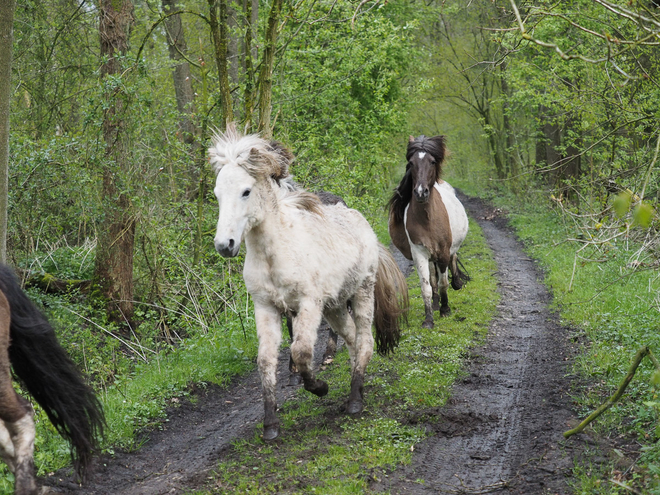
(643,214)
(621,203)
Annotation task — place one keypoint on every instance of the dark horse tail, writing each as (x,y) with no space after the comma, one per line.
(459,275)
(49,375)
(391,302)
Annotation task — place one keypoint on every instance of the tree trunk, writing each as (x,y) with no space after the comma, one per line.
(7,8)
(176,43)
(114,251)
(251,13)
(220,35)
(266,73)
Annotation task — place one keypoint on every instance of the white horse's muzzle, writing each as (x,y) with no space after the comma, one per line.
(227,248)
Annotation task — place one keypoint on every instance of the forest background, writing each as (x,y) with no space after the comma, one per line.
(546,105)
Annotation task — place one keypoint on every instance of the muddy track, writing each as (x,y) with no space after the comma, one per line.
(500,432)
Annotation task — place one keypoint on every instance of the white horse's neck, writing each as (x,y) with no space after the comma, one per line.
(267,237)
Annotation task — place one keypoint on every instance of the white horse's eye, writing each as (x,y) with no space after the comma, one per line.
(246,193)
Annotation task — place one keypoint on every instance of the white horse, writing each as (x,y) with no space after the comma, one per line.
(304,259)
(428,223)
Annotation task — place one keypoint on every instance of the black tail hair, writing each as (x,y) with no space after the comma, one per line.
(46,371)
(461,276)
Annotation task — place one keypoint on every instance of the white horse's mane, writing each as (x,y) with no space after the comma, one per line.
(259,157)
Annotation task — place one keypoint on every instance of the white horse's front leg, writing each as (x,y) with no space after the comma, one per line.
(421,258)
(305,325)
(269,331)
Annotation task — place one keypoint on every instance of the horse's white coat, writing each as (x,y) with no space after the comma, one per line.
(458,219)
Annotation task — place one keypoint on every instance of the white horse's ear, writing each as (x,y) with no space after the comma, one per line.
(411,139)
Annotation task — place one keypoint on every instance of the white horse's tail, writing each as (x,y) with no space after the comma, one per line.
(391,302)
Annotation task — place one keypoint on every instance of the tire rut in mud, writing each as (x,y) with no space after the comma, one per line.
(501,431)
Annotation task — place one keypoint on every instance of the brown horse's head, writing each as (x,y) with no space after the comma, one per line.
(425,158)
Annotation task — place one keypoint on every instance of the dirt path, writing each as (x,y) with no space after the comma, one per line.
(501,431)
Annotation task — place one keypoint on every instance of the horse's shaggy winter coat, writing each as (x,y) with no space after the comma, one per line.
(306,259)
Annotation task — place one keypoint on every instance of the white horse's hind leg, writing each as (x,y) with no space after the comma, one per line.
(269,331)
(421,258)
(342,323)
(363,311)
(6,447)
(305,325)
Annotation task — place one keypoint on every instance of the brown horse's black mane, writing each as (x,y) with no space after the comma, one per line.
(434,146)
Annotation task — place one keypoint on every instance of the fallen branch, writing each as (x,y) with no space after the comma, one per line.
(51,284)
(641,353)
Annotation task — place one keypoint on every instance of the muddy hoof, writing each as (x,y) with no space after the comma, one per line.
(427,324)
(445,311)
(319,388)
(271,432)
(354,407)
(294,380)
(328,360)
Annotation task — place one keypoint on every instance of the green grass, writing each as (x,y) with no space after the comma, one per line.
(322,450)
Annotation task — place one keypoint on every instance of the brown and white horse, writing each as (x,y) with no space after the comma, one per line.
(28,346)
(428,223)
(306,259)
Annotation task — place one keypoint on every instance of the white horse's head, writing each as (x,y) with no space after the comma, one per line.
(247,167)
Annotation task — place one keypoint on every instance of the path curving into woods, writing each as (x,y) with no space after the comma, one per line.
(501,432)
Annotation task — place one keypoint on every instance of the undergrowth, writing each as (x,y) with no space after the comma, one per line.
(323,450)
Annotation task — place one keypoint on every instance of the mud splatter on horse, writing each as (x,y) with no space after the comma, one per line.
(306,259)
(28,346)
(428,223)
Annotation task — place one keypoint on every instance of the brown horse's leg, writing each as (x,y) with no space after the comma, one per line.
(363,314)
(6,447)
(269,331)
(305,331)
(16,414)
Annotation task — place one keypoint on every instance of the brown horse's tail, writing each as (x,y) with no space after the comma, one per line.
(391,302)
(459,275)
(50,376)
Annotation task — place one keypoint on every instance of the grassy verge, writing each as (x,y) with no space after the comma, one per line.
(322,450)
(611,305)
